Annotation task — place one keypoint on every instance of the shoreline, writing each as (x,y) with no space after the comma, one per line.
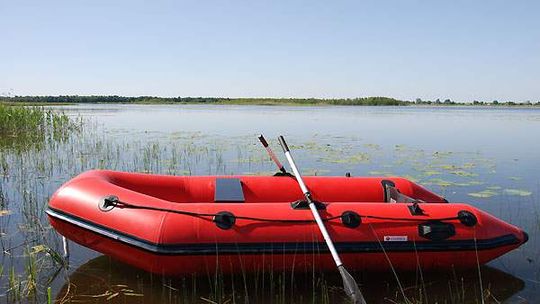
(297,104)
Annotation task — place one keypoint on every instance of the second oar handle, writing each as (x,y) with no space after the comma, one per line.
(271,153)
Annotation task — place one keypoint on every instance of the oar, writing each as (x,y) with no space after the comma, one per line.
(272,155)
(349,284)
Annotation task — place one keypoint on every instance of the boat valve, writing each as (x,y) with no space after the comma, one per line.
(108,203)
(224,220)
(351,219)
(467,218)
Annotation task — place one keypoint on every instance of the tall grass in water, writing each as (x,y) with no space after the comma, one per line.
(22,127)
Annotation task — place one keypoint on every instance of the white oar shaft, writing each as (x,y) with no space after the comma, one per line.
(349,284)
(314,210)
(296,173)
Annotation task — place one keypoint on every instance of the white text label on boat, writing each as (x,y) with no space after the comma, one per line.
(395,238)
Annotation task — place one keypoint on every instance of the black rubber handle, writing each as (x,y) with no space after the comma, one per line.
(283,144)
(263,141)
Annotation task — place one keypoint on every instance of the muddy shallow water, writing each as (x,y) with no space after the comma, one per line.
(486,157)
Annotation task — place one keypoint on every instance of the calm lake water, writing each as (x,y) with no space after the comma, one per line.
(486,157)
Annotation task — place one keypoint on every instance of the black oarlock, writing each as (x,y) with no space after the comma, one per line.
(415,209)
(304,204)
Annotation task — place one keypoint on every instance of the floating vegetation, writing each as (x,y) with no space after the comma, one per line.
(431,173)
(349,159)
(463,173)
(483,194)
(373,146)
(517,192)
(470,183)
(442,154)
(439,182)
(400,147)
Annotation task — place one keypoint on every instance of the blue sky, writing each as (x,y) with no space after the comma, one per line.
(463,50)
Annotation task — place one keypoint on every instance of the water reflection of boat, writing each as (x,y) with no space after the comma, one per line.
(103,278)
(187,224)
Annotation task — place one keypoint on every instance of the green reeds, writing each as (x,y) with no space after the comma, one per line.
(22,126)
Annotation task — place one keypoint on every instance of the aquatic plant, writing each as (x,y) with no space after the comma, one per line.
(23,126)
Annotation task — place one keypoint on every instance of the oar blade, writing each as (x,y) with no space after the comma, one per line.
(350,286)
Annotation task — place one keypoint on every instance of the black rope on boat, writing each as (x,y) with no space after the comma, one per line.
(121,204)
(410,219)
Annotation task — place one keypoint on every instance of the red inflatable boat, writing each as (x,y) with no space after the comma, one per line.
(184,224)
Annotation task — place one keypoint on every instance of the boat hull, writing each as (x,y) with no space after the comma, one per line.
(168,241)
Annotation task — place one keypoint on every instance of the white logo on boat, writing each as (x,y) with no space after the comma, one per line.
(395,238)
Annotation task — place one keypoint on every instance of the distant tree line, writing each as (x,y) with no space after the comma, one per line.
(151,99)
(364,101)
(108,99)
(437,101)
(361,101)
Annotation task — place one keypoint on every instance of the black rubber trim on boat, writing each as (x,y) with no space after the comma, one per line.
(283,247)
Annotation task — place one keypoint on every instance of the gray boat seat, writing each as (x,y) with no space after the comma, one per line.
(228,190)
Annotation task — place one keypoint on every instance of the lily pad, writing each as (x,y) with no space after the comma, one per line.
(372,146)
(439,182)
(468,166)
(449,167)
(475,183)
(412,178)
(483,194)
(431,172)
(463,173)
(468,184)
(517,192)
